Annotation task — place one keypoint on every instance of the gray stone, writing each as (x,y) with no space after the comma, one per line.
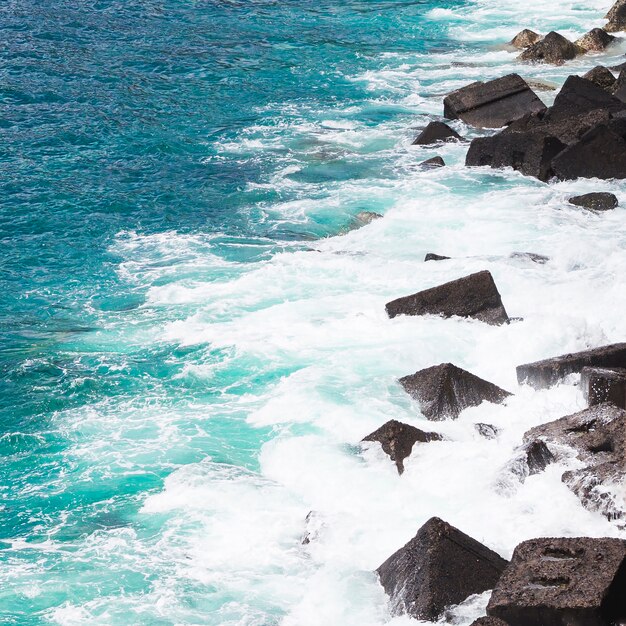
(492,104)
(436,161)
(553,48)
(436,132)
(544,374)
(525,38)
(596,40)
(363,218)
(616,17)
(596,201)
(397,440)
(602,384)
(443,391)
(431,256)
(473,296)
(602,77)
(562,582)
(440,567)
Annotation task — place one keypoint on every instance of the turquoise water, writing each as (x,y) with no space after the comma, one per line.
(193,341)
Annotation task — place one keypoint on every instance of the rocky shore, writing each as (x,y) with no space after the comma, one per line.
(553,581)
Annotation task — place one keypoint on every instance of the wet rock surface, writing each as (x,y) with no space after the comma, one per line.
(562,582)
(492,104)
(602,77)
(431,256)
(597,201)
(604,385)
(440,567)
(548,372)
(525,38)
(596,40)
(553,48)
(486,430)
(436,132)
(443,391)
(397,440)
(434,162)
(474,296)
(616,17)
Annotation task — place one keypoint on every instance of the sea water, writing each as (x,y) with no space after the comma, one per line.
(194,339)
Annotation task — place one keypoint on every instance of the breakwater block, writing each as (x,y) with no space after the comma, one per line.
(602,384)
(397,440)
(473,296)
(494,103)
(443,391)
(561,582)
(544,374)
(440,567)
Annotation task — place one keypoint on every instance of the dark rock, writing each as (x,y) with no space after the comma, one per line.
(540,85)
(474,296)
(602,77)
(596,40)
(434,162)
(531,458)
(530,153)
(604,385)
(579,96)
(492,104)
(553,48)
(431,256)
(562,582)
(436,132)
(531,256)
(597,436)
(525,38)
(599,153)
(486,430)
(443,391)
(543,374)
(619,90)
(397,440)
(616,17)
(598,201)
(488,621)
(439,567)
(362,218)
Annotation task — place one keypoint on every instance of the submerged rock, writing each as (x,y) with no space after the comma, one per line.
(597,436)
(486,430)
(531,256)
(473,296)
(436,161)
(595,40)
(314,525)
(597,201)
(553,48)
(601,384)
(431,256)
(525,38)
(543,374)
(440,567)
(602,77)
(562,582)
(443,391)
(492,104)
(436,132)
(397,440)
(363,218)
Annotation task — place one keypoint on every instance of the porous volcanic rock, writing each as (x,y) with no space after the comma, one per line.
(397,440)
(601,384)
(596,201)
(562,582)
(616,17)
(553,48)
(440,567)
(525,38)
(436,132)
(443,391)
(494,103)
(543,374)
(596,40)
(602,77)
(473,296)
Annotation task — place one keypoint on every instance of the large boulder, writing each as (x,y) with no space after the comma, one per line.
(492,104)
(544,374)
(601,384)
(596,40)
(602,77)
(473,296)
(616,17)
(397,440)
(596,201)
(597,437)
(436,132)
(530,153)
(440,567)
(443,391)
(525,38)
(563,582)
(599,153)
(553,48)
(578,96)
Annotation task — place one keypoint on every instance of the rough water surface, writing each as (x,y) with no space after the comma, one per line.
(193,339)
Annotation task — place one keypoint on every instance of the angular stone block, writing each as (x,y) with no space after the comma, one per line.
(397,440)
(544,374)
(440,567)
(597,201)
(473,296)
(443,391)
(602,77)
(525,38)
(436,132)
(553,48)
(562,582)
(601,384)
